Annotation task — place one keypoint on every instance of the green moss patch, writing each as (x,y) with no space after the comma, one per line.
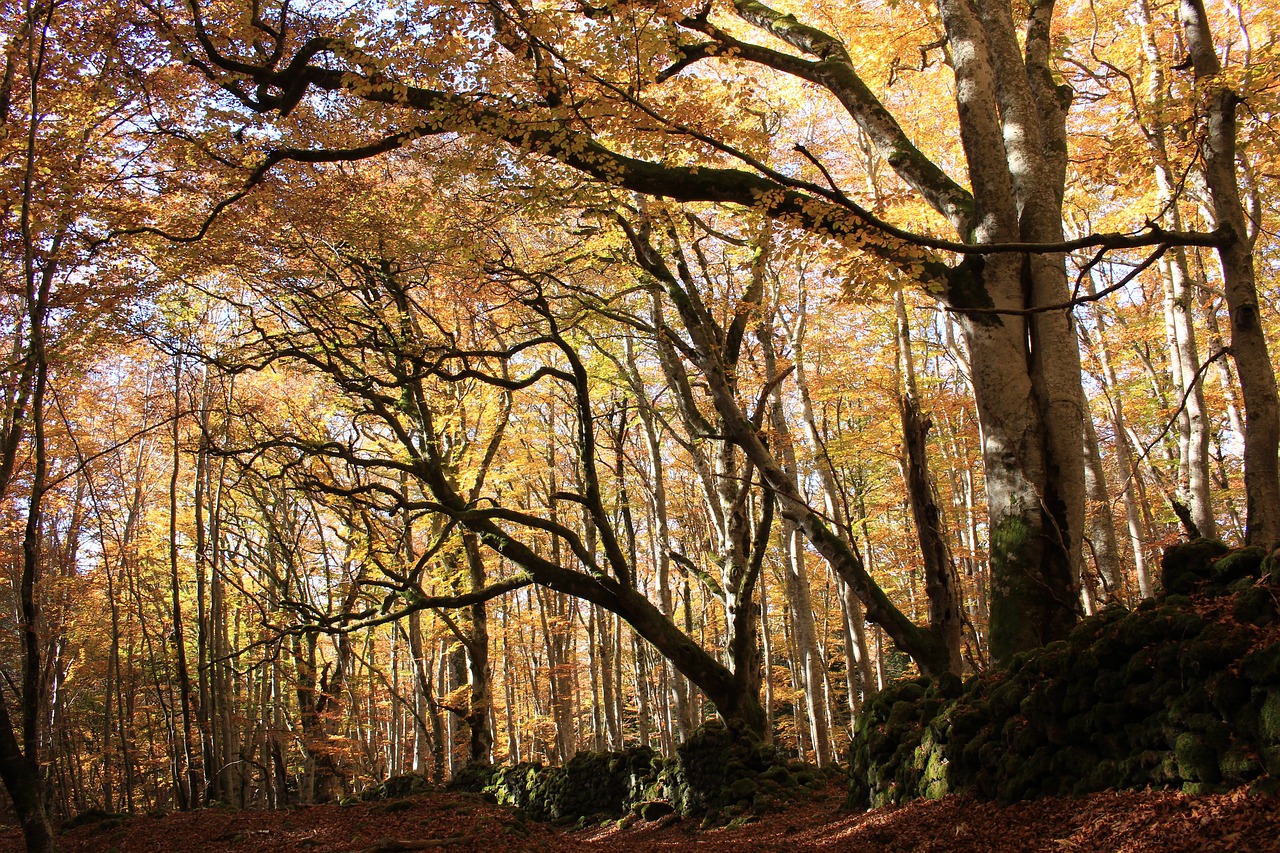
(717,774)
(1184,692)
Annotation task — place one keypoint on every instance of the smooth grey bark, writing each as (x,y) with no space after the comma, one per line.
(1105,551)
(1131,478)
(1226,376)
(677,696)
(727,479)
(479,673)
(1184,358)
(810,664)
(1012,128)
(811,667)
(941,580)
(1248,340)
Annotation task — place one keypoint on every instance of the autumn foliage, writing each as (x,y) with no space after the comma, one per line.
(392,386)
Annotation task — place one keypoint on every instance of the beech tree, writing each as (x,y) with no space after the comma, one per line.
(61,187)
(591,394)
(595,91)
(424,380)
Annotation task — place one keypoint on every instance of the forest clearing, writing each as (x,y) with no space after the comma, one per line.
(718,416)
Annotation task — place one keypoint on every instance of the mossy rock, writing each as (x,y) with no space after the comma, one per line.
(1262,667)
(394,806)
(713,768)
(655,810)
(1267,786)
(1202,789)
(407,785)
(1240,563)
(1269,571)
(1157,697)
(742,789)
(1255,605)
(599,784)
(1269,717)
(1239,765)
(99,819)
(1187,565)
(473,777)
(1227,694)
(591,786)
(1217,646)
(913,690)
(1197,759)
(1270,758)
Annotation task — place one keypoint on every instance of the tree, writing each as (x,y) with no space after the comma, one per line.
(426,383)
(1248,341)
(711,347)
(61,189)
(564,93)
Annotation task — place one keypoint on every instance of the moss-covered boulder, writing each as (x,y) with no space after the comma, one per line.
(719,768)
(1186,565)
(718,773)
(99,819)
(1182,692)
(600,784)
(397,787)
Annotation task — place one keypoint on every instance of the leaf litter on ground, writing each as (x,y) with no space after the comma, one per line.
(1119,822)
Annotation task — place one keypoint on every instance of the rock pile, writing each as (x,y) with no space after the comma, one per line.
(1180,692)
(717,774)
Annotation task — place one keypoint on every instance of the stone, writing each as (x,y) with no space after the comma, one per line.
(1185,566)
(1255,605)
(655,810)
(1162,696)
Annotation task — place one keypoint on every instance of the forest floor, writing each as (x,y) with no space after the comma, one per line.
(1127,821)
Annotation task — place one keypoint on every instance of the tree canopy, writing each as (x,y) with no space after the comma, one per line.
(413,361)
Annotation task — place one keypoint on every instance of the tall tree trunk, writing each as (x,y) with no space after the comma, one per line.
(23,781)
(230,758)
(423,697)
(187,788)
(1184,359)
(857,651)
(942,581)
(204,649)
(1131,477)
(678,692)
(707,341)
(480,735)
(1102,527)
(1025,370)
(810,665)
(1248,341)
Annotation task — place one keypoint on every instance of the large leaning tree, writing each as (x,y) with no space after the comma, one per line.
(659,99)
(439,390)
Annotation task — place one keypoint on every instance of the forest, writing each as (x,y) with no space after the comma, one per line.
(406,386)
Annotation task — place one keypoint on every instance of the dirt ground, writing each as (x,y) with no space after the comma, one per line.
(1129,821)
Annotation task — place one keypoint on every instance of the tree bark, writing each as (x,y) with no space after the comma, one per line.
(1102,538)
(941,580)
(1248,341)
(187,787)
(22,780)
